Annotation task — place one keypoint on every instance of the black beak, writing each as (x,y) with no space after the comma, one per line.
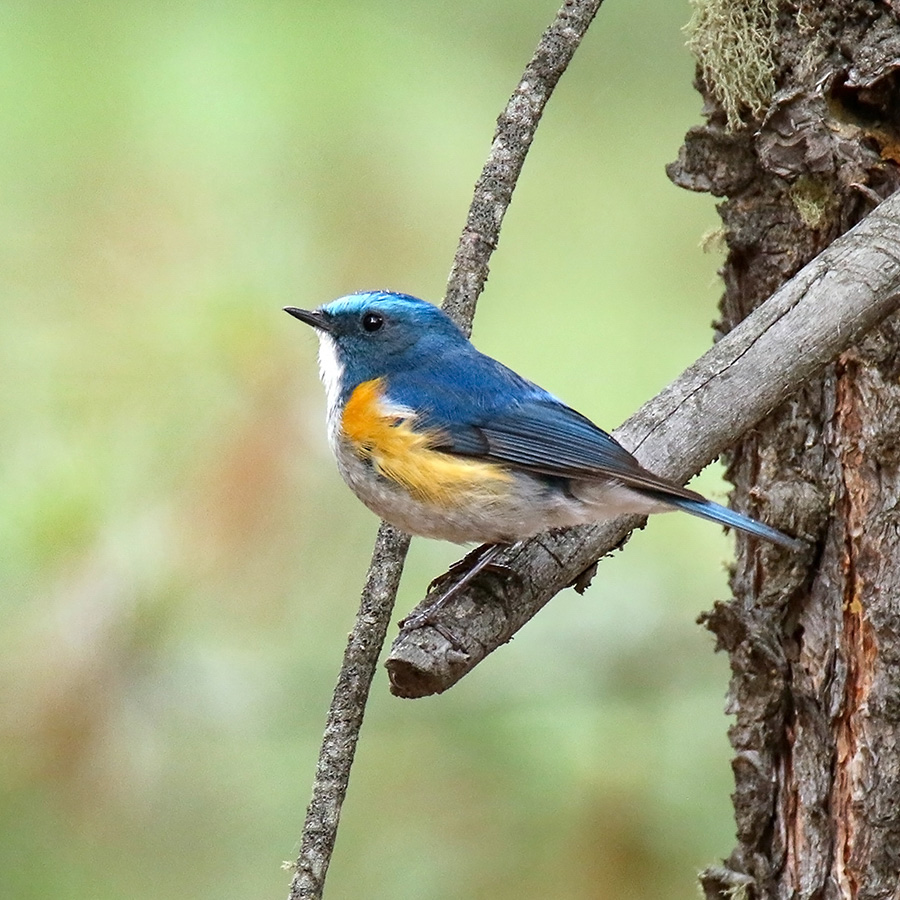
(314,317)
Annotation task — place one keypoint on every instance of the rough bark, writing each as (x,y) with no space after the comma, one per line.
(815,663)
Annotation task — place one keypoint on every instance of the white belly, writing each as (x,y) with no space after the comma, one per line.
(530,506)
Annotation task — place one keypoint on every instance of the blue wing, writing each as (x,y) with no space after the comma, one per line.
(487,411)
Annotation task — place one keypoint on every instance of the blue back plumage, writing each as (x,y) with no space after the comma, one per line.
(481,407)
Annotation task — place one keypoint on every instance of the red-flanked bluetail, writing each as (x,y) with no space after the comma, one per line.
(445,442)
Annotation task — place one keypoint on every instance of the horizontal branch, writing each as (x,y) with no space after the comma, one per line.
(826,308)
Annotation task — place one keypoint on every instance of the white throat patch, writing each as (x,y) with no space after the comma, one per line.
(331,371)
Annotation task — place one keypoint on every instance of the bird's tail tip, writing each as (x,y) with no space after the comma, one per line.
(706,509)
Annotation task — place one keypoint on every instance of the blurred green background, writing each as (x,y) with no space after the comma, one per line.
(180,562)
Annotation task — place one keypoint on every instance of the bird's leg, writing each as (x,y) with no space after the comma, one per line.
(461,566)
(485,559)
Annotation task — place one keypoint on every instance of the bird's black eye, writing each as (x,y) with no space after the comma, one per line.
(372,321)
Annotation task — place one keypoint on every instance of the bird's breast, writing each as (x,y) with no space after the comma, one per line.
(384,434)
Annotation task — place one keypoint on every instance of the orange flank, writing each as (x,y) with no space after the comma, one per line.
(407,457)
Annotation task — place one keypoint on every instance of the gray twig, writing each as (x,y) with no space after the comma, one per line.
(345,715)
(826,308)
(515,131)
(493,192)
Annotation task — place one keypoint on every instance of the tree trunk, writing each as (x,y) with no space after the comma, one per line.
(802,138)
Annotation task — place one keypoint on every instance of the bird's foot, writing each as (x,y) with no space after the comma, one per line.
(461,568)
(481,559)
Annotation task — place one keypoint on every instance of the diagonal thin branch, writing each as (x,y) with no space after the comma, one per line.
(346,712)
(827,307)
(515,131)
(493,193)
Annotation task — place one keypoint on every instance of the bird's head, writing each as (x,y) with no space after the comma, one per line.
(373,334)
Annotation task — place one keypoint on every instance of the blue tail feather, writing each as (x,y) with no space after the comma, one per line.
(706,509)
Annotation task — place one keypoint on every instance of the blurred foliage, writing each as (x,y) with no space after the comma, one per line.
(180,561)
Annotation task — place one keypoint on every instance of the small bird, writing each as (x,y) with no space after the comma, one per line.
(445,442)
